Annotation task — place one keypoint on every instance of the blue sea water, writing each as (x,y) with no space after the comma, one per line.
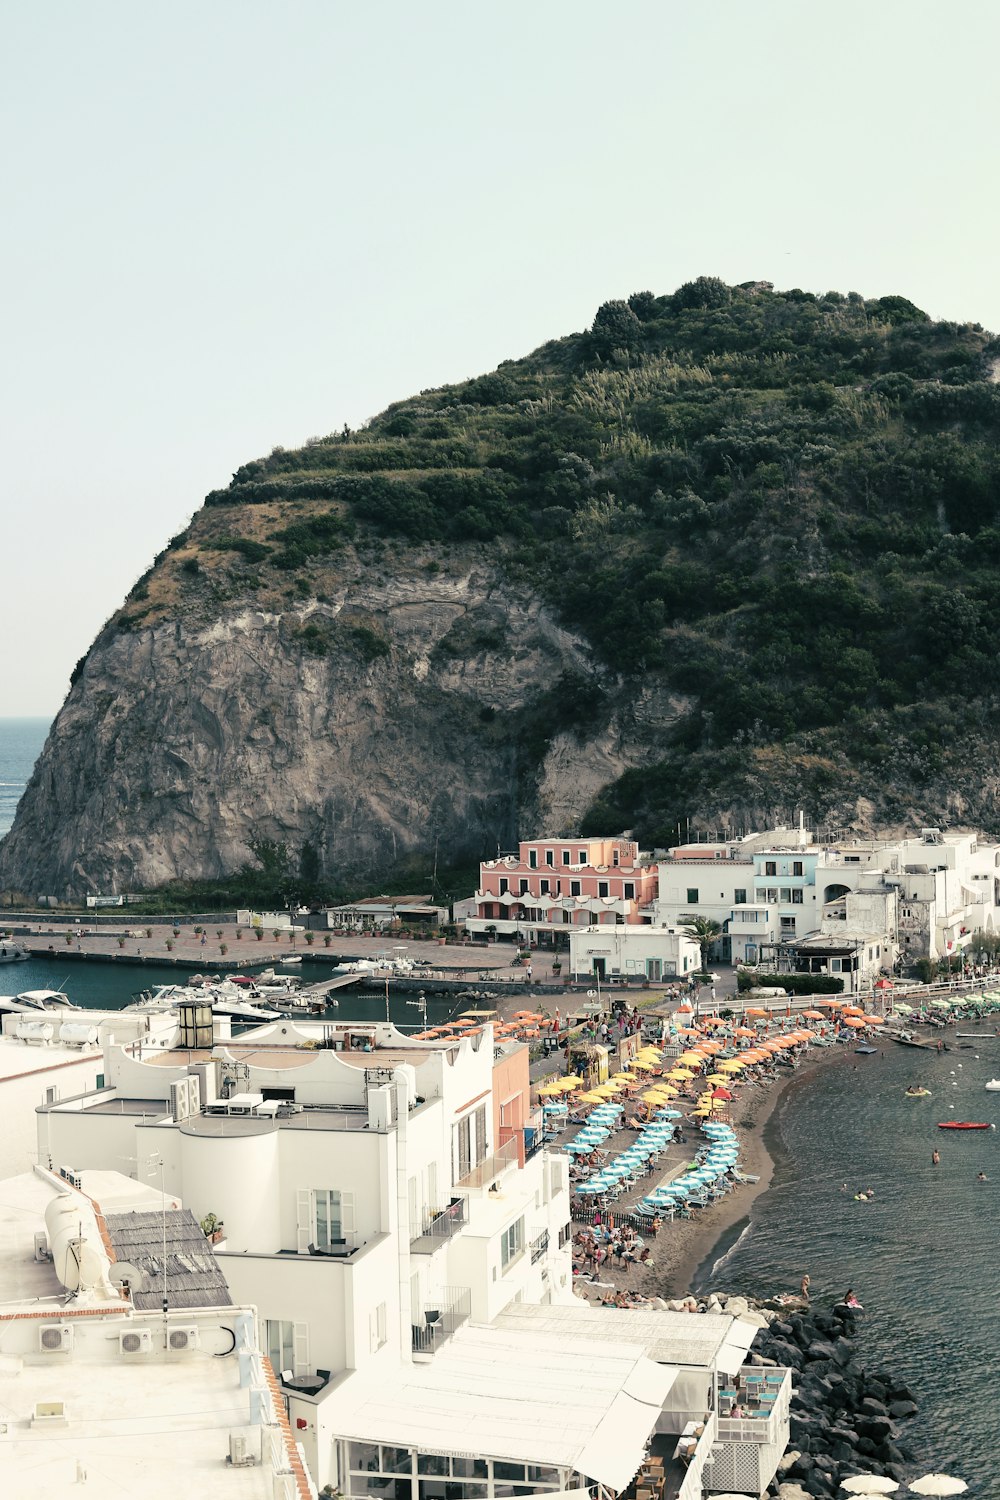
(921,1257)
(21,742)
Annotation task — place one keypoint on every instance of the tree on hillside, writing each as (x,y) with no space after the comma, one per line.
(705,932)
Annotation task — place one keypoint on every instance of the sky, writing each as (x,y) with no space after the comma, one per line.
(229,224)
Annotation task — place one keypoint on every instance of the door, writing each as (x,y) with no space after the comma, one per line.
(601,968)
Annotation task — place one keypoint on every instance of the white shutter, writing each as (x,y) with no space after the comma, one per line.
(347,1215)
(304,1219)
(300,1346)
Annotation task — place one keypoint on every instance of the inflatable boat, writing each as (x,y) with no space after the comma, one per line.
(923,1093)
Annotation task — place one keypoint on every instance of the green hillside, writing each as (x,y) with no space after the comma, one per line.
(786,507)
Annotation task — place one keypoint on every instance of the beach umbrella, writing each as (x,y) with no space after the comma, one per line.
(758,1013)
(817,1015)
(731,1065)
(870,1484)
(683,1073)
(903,1008)
(938,1484)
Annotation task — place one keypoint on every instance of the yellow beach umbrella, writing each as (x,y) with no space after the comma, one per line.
(693,1059)
(684,1073)
(731,1065)
(716,1078)
(549,1090)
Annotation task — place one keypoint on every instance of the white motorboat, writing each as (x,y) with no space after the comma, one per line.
(994,1086)
(35,1002)
(225,999)
(12,953)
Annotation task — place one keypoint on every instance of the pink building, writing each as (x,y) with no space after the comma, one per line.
(552,885)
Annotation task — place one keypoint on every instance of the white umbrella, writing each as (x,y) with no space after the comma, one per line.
(938,1484)
(870,1484)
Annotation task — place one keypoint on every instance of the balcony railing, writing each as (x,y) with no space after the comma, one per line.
(440,1318)
(441,1226)
(539,1246)
(490,1169)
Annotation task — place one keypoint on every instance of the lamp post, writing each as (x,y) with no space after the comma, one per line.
(156,1161)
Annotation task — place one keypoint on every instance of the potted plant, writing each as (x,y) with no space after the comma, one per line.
(223,949)
(327,939)
(121,942)
(259,934)
(212,1228)
(177,932)
(170,945)
(310,937)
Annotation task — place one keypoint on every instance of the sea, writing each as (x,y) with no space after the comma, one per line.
(21,742)
(919,1257)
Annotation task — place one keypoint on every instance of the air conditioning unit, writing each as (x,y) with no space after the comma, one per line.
(244,1447)
(136,1341)
(184,1338)
(55,1338)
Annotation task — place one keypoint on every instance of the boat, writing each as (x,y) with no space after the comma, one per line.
(980,1036)
(865,1050)
(923,1093)
(225,1000)
(964,1125)
(293,958)
(12,953)
(994,1086)
(34,1002)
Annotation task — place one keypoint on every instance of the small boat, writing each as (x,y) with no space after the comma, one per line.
(923,1093)
(292,959)
(31,1002)
(979,1035)
(964,1125)
(12,953)
(994,1086)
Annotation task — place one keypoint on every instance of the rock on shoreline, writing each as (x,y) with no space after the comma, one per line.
(844,1419)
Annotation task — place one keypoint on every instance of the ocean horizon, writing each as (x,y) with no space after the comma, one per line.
(21,741)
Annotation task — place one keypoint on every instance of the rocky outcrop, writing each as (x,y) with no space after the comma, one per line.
(387,716)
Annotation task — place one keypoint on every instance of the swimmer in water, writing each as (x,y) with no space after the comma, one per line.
(982,1177)
(935,1158)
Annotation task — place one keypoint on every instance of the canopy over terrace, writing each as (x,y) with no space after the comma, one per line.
(514,1396)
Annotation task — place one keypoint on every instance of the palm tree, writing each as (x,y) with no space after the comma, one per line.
(705,932)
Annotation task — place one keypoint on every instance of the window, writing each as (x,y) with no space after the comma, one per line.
(772,894)
(280,1345)
(692,895)
(503,885)
(566,856)
(511,1243)
(787,926)
(602,888)
(376,1325)
(549,858)
(583,857)
(532,859)
(629,890)
(329,1221)
(469,1139)
(797,867)
(740,898)
(524,886)
(544,889)
(786,895)
(797,897)
(574,888)
(770,867)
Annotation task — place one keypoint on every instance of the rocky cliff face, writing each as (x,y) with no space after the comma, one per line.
(396,715)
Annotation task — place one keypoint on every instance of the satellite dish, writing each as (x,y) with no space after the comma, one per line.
(123,1271)
(591,994)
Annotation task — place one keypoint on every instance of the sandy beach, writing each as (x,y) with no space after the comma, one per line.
(683,1244)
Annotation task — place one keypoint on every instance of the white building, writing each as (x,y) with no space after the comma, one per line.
(376,1192)
(96,1392)
(632,952)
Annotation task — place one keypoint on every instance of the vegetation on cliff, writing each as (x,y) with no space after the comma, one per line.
(785,506)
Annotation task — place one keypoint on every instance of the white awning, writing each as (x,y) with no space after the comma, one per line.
(732,1354)
(586,1407)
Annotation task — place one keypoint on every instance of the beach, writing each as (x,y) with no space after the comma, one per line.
(681,1246)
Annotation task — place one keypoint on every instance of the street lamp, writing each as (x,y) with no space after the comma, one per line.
(156,1161)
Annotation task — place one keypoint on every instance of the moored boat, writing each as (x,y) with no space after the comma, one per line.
(12,953)
(994,1086)
(964,1125)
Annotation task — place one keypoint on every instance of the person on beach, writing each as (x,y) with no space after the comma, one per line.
(805,1288)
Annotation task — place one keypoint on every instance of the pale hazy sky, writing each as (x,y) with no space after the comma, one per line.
(233,223)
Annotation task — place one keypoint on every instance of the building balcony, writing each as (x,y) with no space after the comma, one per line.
(539,1247)
(487,1172)
(439,1319)
(764,1395)
(440,1227)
